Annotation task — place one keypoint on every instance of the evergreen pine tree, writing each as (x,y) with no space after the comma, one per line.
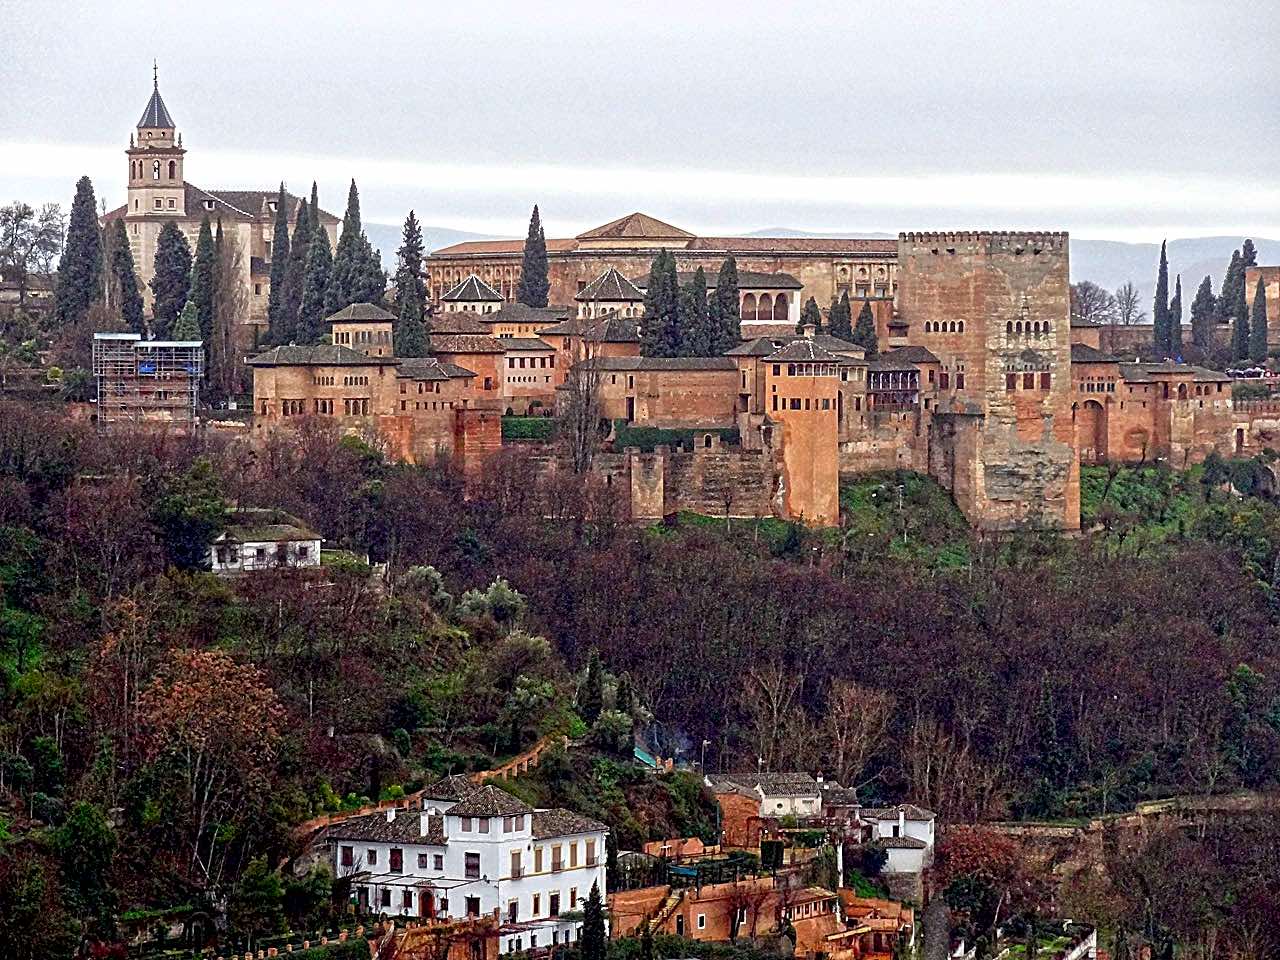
(79,281)
(1258,324)
(1204,309)
(315,281)
(591,696)
(810,315)
(660,325)
(126,279)
(171,279)
(291,299)
(1160,311)
(840,321)
(202,280)
(593,940)
(695,335)
(187,326)
(864,333)
(724,311)
(1175,320)
(279,269)
(534,284)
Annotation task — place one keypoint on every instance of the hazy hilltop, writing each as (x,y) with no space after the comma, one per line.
(1108,263)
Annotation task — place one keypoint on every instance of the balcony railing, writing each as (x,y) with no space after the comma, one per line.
(557,866)
(517,873)
(593,861)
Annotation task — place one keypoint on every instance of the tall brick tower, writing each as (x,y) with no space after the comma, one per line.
(997,305)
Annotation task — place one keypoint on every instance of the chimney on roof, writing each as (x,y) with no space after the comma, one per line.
(902,822)
(424,823)
(809,330)
(391,814)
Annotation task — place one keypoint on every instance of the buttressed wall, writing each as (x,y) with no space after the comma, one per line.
(1005,445)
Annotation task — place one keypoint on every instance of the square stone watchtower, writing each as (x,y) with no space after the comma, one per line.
(1005,445)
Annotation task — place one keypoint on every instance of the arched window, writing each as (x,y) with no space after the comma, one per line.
(951,327)
(155,169)
(765,312)
(706,441)
(960,326)
(749,308)
(173,169)
(1018,327)
(780,309)
(1008,327)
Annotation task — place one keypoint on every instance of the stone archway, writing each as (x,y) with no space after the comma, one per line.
(1091,432)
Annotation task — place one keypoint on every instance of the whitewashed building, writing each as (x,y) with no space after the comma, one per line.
(476,851)
(781,794)
(264,540)
(906,832)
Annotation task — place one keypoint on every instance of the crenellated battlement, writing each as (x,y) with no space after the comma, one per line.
(1016,242)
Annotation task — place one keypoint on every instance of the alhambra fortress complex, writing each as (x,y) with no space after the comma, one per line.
(982,381)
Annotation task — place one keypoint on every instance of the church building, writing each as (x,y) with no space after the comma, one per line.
(159,192)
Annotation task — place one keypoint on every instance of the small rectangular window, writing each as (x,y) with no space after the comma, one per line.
(348,856)
(372,856)
(472,866)
(1028,381)
(1044,380)
(1010,381)
(437,861)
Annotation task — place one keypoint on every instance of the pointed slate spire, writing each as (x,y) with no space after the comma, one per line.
(156,116)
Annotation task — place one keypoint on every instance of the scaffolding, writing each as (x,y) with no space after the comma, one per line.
(141,380)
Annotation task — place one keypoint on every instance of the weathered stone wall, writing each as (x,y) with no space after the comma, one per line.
(1012,294)
(886,441)
(717,482)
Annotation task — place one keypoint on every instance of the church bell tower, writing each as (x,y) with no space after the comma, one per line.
(156,188)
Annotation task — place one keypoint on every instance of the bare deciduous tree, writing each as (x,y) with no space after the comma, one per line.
(580,413)
(1128,311)
(856,721)
(1090,302)
(30,241)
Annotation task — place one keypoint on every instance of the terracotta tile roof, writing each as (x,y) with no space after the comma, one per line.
(912,353)
(611,329)
(520,313)
(660,363)
(525,343)
(611,287)
(764,346)
(909,810)
(455,787)
(751,331)
(320,354)
(465,343)
(421,368)
(361,313)
(901,843)
(264,524)
(804,349)
(482,247)
(638,226)
(473,290)
(463,321)
(885,248)
(559,822)
(489,801)
(405,828)
(1083,353)
(241,204)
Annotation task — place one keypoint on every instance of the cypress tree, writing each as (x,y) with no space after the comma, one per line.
(864,333)
(1204,309)
(291,299)
(1175,320)
(1160,313)
(171,279)
(347,257)
(315,281)
(202,280)
(695,337)
(315,209)
(79,281)
(1258,324)
(1248,256)
(660,325)
(411,292)
(1226,299)
(126,278)
(840,320)
(810,315)
(279,268)
(187,326)
(1239,318)
(591,696)
(535,283)
(593,940)
(369,285)
(724,311)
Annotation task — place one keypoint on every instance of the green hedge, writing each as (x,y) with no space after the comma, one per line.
(646,438)
(528,428)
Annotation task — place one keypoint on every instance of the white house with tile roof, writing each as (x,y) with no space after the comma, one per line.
(473,850)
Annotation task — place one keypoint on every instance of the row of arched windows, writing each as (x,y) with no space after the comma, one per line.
(135,169)
(355,381)
(765,308)
(944,326)
(1034,327)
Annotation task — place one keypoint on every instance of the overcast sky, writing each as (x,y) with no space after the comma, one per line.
(1112,119)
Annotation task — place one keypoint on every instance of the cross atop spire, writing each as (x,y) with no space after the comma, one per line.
(156,116)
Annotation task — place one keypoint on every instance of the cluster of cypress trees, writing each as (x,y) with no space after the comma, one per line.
(810,315)
(309,280)
(78,284)
(686,321)
(1248,327)
(171,280)
(535,282)
(864,334)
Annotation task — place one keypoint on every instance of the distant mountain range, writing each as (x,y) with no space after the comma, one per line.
(1108,263)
